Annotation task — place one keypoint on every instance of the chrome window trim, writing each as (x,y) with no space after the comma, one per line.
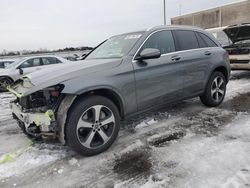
(171,53)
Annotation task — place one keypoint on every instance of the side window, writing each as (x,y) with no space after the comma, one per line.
(31,63)
(162,40)
(209,41)
(58,61)
(186,40)
(201,41)
(50,60)
(1,64)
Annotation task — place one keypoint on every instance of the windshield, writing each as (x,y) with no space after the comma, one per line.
(15,63)
(222,38)
(115,47)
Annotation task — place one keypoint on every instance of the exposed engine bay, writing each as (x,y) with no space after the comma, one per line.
(239,50)
(239,53)
(37,112)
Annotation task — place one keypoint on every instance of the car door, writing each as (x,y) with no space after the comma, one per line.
(30,65)
(195,61)
(158,80)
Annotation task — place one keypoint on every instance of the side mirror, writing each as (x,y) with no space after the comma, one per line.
(149,53)
(20,71)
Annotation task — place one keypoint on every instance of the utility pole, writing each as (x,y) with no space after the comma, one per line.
(180,9)
(164,2)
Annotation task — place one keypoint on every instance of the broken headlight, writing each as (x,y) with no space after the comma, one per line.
(27,82)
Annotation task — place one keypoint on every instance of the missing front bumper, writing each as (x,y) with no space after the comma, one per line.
(36,124)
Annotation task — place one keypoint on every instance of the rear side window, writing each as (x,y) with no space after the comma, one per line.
(201,41)
(1,64)
(209,41)
(162,40)
(50,60)
(186,40)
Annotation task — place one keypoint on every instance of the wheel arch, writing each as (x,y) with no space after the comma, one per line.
(5,76)
(223,70)
(71,99)
(107,92)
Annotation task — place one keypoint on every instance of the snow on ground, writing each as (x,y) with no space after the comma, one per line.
(183,145)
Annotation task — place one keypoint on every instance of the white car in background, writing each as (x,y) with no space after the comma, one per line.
(220,35)
(236,40)
(26,65)
(5,62)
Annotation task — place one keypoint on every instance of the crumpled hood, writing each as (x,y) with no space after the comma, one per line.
(63,72)
(238,33)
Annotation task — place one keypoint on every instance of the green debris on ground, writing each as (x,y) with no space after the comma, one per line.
(11,156)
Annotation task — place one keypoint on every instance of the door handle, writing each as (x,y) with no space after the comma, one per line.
(176,58)
(207,53)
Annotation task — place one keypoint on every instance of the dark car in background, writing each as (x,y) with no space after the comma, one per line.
(83,103)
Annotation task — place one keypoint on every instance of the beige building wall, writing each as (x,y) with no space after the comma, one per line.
(217,17)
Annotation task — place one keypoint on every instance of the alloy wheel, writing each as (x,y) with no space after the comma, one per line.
(4,83)
(218,89)
(95,126)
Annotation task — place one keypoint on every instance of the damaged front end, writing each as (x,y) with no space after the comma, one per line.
(37,112)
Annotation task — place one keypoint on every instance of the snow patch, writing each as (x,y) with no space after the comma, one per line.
(27,159)
(146,123)
(135,146)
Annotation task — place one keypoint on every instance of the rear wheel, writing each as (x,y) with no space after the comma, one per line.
(92,125)
(4,82)
(215,90)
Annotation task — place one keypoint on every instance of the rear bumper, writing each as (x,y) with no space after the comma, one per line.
(42,120)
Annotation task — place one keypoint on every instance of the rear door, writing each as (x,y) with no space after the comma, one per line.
(195,60)
(158,80)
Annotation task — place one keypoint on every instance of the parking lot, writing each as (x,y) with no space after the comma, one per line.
(182,145)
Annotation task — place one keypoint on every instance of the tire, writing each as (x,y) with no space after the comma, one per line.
(215,90)
(88,133)
(4,82)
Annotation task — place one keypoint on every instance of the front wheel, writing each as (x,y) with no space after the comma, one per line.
(215,90)
(4,82)
(92,125)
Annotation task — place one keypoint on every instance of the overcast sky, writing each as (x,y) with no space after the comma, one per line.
(51,24)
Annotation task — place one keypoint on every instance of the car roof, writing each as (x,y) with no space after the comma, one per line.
(39,56)
(186,27)
(3,60)
(152,29)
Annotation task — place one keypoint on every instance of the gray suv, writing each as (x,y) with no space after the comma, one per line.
(83,103)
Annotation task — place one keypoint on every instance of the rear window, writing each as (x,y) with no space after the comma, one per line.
(186,40)
(209,41)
